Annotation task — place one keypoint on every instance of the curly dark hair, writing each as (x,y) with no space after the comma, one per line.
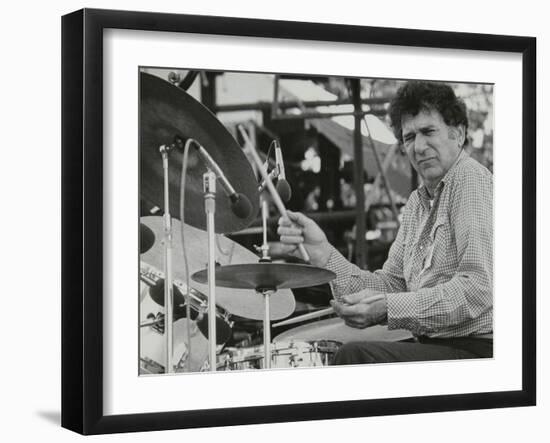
(416,96)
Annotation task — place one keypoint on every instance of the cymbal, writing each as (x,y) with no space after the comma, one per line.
(166,112)
(146,238)
(267,276)
(335,329)
(241,302)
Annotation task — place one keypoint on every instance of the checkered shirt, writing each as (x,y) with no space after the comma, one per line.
(439,273)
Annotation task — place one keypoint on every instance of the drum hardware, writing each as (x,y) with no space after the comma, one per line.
(266,292)
(167,110)
(148,366)
(270,186)
(240,209)
(198,304)
(168,287)
(264,277)
(152,340)
(267,328)
(264,249)
(239,303)
(224,326)
(155,321)
(290,354)
(152,350)
(209,181)
(180,299)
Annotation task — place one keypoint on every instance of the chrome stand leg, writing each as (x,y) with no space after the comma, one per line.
(209,181)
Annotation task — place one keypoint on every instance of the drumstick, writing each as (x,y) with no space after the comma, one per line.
(367,300)
(304,317)
(323,312)
(274,194)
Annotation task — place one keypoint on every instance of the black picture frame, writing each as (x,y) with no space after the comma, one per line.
(82,220)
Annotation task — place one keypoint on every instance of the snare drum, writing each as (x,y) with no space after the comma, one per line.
(334,329)
(293,354)
(325,350)
(298,354)
(240,359)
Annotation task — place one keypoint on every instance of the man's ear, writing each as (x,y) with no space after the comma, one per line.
(461,135)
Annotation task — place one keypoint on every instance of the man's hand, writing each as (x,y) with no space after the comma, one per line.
(362,309)
(296,229)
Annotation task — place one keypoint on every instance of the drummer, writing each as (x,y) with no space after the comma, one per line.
(438,279)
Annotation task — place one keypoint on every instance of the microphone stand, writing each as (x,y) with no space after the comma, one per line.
(209,187)
(266,292)
(271,188)
(213,173)
(168,285)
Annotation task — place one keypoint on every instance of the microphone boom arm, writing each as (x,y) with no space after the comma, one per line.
(274,194)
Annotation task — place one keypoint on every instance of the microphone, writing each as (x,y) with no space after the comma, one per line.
(240,205)
(283,187)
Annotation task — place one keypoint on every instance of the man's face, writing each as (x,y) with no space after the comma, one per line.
(432,145)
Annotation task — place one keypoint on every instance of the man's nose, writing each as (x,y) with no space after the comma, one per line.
(420,144)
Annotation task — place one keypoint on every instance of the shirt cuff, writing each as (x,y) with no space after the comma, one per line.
(403,311)
(338,264)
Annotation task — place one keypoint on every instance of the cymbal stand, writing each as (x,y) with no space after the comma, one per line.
(168,285)
(267,327)
(266,292)
(209,186)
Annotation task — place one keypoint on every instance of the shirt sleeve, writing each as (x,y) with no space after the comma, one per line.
(351,279)
(468,294)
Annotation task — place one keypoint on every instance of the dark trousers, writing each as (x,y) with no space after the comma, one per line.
(424,349)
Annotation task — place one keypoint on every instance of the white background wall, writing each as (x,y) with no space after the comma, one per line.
(30,228)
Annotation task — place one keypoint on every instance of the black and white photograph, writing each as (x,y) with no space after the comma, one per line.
(275,221)
(293,221)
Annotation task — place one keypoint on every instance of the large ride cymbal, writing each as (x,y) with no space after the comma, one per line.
(167,112)
(242,302)
(267,276)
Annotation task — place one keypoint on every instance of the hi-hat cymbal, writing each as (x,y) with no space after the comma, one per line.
(267,276)
(167,112)
(241,302)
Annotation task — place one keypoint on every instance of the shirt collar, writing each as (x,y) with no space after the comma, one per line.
(423,191)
